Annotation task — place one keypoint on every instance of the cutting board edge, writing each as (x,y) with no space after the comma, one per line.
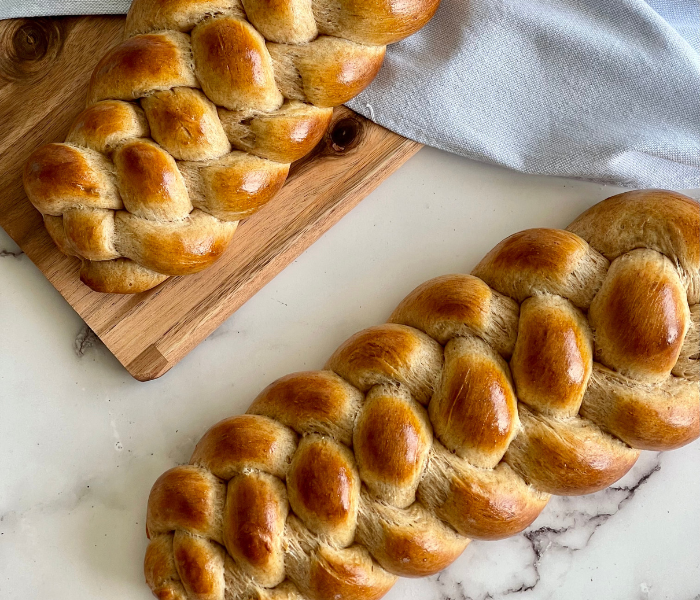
(151,364)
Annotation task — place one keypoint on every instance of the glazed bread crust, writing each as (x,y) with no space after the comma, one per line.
(192,124)
(544,372)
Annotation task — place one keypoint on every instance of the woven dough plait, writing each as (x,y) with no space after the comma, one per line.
(193,121)
(545,371)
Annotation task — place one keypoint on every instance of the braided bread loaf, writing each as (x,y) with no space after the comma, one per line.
(544,372)
(231,92)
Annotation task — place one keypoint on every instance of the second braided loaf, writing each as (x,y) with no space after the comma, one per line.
(544,372)
(192,124)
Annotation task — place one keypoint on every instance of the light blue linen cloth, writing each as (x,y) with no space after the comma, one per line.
(607,90)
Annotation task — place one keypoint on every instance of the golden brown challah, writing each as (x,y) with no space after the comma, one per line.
(193,121)
(544,372)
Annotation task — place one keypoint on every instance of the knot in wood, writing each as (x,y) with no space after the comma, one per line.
(345,134)
(29,47)
(30,42)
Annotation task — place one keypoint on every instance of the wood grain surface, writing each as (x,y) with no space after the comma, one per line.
(45,66)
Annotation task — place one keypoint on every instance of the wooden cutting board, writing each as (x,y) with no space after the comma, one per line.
(45,65)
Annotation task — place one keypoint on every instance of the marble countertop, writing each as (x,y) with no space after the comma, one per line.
(81,442)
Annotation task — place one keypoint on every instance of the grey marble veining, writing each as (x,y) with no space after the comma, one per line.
(8,248)
(11,253)
(85,340)
(565,527)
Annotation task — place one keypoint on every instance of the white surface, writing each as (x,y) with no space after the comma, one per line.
(81,442)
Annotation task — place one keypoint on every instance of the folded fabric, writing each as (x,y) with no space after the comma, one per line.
(594,89)
(601,90)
